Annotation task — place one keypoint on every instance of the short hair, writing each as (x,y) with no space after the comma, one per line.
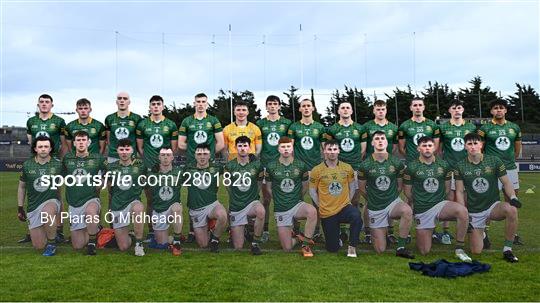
(241,103)
(379,103)
(305,98)
(472,137)
(496,102)
(45,96)
(456,103)
(156,98)
(331,142)
(378,133)
(417,99)
(272,98)
(425,139)
(242,139)
(81,133)
(284,140)
(201,95)
(203,146)
(42,138)
(342,102)
(83,102)
(124,142)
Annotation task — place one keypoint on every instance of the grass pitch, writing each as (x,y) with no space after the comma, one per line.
(198,275)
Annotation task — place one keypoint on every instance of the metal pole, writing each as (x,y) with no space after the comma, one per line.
(230,73)
(397,116)
(414,61)
(301,61)
(365,61)
(162,63)
(264,64)
(116,61)
(480,103)
(521,99)
(214,65)
(355,110)
(438,112)
(315,56)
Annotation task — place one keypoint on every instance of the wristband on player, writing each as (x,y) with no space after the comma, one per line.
(515,202)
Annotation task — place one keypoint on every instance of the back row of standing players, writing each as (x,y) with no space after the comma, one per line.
(150,135)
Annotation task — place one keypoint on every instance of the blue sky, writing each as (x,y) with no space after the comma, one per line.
(68,49)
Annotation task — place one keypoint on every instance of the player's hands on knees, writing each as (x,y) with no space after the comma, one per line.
(21,214)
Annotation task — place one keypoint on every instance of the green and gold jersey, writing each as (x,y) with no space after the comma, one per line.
(287,183)
(411,131)
(155,135)
(94,128)
(452,141)
(480,181)
(82,168)
(123,193)
(349,138)
(203,185)
(121,128)
(332,185)
(499,141)
(199,131)
(36,191)
(307,142)
(272,131)
(428,183)
(167,191)
(390,129)
(382,180)
(244,187)
(53,127)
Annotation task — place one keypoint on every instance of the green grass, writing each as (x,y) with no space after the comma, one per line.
(275,276)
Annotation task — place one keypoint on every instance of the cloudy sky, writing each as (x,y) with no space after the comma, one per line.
(177,49)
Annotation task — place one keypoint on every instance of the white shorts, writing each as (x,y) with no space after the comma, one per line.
(513,176)
(34,217)
(429,218)
(380,218)
(200,215)
(77,217)
(112,160)
(240,217)
(122,218)
(478,220)
(162,220)
(285,218)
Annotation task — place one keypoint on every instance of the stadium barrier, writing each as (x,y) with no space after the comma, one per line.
(529,167)
(11,165)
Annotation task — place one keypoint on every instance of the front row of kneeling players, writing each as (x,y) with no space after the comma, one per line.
(425,182)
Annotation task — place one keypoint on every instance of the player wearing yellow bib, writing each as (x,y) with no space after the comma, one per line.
(241,127)
(332,186)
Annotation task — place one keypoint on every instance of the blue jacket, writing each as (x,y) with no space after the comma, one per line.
(443,268)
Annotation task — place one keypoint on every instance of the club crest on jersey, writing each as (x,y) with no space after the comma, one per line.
(480,185)
(306,143)
(431,185)
(273,138)
(382,183)
(121,133)
(156,140)
(347,144)
(457,144)
(38,185)
(502,143)
(287,185)
(200,136)
(417,137)
(335,188)
(166,193)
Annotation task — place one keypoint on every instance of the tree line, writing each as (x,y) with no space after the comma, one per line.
(437,97)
